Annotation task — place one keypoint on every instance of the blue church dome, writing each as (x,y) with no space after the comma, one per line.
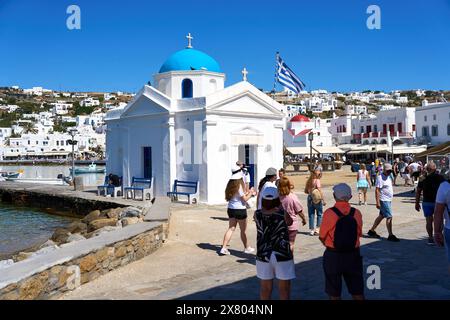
(190,59)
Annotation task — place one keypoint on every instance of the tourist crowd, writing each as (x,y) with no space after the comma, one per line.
(279,213)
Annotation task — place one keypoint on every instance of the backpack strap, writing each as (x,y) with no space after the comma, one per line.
(352,212)
(337,212)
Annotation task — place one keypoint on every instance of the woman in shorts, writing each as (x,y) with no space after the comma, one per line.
(362,183)
(237,210)
(291,205)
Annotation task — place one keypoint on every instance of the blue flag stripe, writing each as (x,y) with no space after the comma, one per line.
(287,78)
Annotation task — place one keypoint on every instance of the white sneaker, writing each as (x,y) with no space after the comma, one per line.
(224,251)
(317,231)
(312,233)
(249,250)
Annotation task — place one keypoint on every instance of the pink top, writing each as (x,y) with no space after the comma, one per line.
(291,205)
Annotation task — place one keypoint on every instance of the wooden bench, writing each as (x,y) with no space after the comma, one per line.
(141,186)
(106,188)
(184,188)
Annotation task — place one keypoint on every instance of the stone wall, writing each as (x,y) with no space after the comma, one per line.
(59,278)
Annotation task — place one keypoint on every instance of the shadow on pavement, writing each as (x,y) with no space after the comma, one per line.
(409,270)
(245,257)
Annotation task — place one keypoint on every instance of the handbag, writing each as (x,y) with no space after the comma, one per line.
(316,196)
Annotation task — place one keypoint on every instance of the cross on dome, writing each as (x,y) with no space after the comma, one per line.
(244,74)
(189,37)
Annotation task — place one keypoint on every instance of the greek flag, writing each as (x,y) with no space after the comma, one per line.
(287,78)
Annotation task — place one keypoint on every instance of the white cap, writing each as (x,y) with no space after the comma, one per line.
(236,172)
(270,193)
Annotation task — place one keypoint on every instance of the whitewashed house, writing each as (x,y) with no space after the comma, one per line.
(189,126)
(433,123)
(89,102)
(61,108)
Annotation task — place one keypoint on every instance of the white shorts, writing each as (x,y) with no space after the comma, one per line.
(282,270)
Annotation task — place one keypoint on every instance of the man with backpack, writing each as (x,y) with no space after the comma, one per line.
(340,232)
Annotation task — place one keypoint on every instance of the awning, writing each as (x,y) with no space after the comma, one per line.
(441,149)
(316,150)
(386,149)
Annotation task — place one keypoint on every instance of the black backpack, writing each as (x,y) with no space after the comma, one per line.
(346,231)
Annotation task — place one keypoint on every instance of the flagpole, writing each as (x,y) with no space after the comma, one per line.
(275,75)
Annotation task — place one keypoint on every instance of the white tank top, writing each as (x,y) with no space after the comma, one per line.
(362,174)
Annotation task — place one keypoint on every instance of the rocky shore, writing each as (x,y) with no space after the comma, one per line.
(94,224)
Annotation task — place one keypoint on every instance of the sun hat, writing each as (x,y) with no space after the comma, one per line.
(236,173)
(387,167)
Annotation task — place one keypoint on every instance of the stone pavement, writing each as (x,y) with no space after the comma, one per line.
(188,266)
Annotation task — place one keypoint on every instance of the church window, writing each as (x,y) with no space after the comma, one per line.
(186,88)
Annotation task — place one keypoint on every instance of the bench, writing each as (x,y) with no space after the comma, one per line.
(106,188)
(141,186)
(184,188)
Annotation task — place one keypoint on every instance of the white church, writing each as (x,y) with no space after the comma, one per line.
(189,126)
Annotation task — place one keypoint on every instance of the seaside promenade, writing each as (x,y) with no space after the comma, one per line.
(188,266)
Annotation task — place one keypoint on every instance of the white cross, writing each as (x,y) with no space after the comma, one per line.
(189,37)
(244,74)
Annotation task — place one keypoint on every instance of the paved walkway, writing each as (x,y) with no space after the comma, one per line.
(188,267)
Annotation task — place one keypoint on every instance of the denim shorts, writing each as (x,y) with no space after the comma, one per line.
(386,209)
(428,209)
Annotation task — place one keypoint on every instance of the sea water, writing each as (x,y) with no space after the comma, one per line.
(23,227)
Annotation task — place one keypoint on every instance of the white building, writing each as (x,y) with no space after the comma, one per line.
(61,108)
(378,128)
(5,133)
(298,128)
(189,126)
(387,107)
(108,96)
(36,91)
(9,108)
(291,110)
(318,104)
(341,129)
(355,109)
(401,100)
(89,102)
(433,123)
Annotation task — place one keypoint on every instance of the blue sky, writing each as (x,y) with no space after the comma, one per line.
(121,44)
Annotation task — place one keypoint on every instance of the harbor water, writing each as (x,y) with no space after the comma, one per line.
(22,228)
(51,172)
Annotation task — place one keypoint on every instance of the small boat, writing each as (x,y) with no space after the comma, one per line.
(60,182)
(92,168)
(7,175)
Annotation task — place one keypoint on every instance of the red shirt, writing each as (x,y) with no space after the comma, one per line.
(330,219)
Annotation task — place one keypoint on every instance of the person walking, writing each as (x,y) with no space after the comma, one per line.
(362,183)
(267,181)
(384,193)
(442,216)
(315,201)
(237,212)
(373,174)
(340,233)
(291,205)
(274,258)
(429,185)
(395,171)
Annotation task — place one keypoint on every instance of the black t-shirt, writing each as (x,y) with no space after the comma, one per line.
(114,180)
(272,236)
(430,186)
